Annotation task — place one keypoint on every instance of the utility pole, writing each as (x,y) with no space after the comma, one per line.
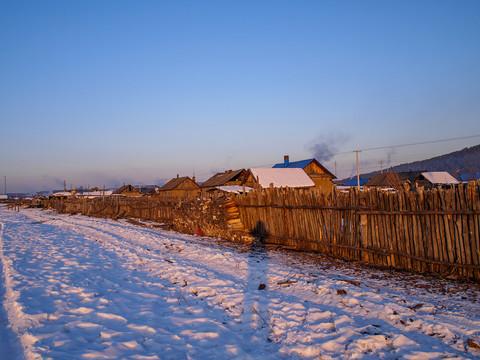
(335,168)
(358,171)
(5,185)
(381,166)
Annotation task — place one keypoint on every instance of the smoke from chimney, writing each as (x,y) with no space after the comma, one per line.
(325,147)
(389,157)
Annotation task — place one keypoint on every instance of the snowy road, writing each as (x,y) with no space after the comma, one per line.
(75,287)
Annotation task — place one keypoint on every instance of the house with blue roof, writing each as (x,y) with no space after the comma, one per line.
(354,182)
(319,174)
(469,177)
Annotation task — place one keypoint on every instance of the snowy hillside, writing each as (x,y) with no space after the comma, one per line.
(75,287)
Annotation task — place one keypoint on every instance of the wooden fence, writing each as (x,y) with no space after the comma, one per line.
(426,231)
(154,209)
(210,217)
(434,231)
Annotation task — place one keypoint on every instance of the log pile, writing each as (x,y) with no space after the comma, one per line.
(212,217)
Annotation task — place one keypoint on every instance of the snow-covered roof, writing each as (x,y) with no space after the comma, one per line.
(95,193)
(236,189)
(61,193)
(439,177)
(3,197)
(282,177)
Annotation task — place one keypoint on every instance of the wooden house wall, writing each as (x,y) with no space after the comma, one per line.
(323,183)
(186,189)
(314,169)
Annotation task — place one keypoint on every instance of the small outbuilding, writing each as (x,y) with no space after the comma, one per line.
(61,194)
(90,194)
(435,179)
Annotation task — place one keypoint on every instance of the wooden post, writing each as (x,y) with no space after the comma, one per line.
(358,171)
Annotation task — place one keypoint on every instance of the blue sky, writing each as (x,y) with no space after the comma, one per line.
(107,92)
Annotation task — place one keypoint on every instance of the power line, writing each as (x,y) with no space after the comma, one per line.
(412,144)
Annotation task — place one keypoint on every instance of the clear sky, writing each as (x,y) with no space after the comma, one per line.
(106,92)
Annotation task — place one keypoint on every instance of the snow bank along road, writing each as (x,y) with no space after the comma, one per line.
(75,287)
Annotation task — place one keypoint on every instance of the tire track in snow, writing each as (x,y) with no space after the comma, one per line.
(14,336)
(120,247)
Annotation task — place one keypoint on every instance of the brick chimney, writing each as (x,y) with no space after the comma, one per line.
(178,175)
(286,161)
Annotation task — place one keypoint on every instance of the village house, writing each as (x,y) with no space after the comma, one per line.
(433,179)
(61,194)
(149,190)
(127,190)
(180,187)
(227,178)
(469,177)
(354,182)
(424,179)
(393,180)
(94,193)
(278,177)
(322,178)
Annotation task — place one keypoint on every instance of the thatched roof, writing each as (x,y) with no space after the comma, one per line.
(221,179)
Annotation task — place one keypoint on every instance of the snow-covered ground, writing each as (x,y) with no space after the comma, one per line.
(75,287)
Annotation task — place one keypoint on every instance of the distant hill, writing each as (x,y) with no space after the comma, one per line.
(466,161)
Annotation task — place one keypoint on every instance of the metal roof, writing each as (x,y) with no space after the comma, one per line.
(302,164)
(354,182)
(295,164)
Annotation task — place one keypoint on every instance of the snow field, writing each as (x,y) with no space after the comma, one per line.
(87,288)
